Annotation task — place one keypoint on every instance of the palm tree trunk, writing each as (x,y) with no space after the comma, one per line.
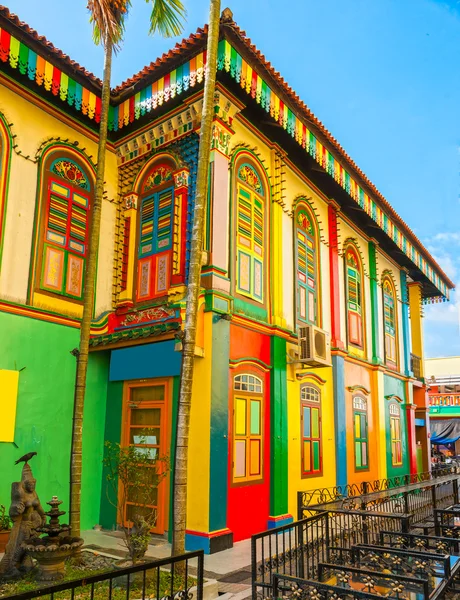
(88,300)
(193,287)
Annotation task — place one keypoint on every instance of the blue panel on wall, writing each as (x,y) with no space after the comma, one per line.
(145,361)
(419,422)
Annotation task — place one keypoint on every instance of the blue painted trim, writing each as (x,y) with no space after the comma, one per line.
(338,369)
(405,324)
(419,422)
(145,361)
(197,542)
(273,523)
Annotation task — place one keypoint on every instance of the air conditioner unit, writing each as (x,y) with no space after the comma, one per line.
(314,347)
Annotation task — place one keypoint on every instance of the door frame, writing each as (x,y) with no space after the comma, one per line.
(165,442)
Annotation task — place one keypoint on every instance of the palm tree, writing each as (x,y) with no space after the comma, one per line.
(193,286)
(108,19)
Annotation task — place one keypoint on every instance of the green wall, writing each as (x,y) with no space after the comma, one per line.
(45,409)
(111,425)
(396,387)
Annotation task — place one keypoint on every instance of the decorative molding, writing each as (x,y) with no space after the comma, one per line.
(163,133)
(181,178)
(130,201)
(394,397)
(251,361)
(156,313)
(309,375)
(358,388)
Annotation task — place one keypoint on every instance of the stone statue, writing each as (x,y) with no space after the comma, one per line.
(27,514)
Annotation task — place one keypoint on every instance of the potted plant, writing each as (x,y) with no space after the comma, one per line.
(5,528)
(130,471)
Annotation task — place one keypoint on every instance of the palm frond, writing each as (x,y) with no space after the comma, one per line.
(167,17)
(108,19)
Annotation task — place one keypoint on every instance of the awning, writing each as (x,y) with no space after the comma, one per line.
(446,431)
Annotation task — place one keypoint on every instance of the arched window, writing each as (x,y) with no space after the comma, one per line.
(361,434)
(395,434)
(354,291)
(250,216)
(311,460)
(64,227)
(247,428)
(155,233)
(389,307)
(306,269)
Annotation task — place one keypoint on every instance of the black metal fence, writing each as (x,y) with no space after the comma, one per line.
(177,578)
(417,498)
(295,550)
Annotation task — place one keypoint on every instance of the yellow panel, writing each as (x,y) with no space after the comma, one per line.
(9,396)
(240,416)
(60,189)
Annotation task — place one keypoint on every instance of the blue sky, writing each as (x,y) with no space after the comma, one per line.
(382,75)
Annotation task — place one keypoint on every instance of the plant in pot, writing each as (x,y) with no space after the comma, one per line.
(5,528)
(133,475)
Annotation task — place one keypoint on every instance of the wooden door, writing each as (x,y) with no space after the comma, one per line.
(145,428)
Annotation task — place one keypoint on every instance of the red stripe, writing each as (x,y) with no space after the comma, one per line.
(254,84)
(167,81)
(56,81)
(97,112)
(5,40)
(131,109)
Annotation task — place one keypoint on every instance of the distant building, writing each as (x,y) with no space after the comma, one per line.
(443,377)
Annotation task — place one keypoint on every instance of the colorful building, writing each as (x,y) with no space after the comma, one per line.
(443,379)
(309,354)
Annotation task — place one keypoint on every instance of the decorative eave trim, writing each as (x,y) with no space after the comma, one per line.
(358,388)
(230,61)
(314,376)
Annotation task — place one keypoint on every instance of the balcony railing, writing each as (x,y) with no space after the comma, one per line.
(416,366)
(444,400)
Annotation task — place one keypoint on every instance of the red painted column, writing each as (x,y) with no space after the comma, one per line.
(411,438)
(336,342)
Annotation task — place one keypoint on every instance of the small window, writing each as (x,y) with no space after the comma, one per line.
(311,438)
(395,434)
(360,427)
(247,428)
(248,383)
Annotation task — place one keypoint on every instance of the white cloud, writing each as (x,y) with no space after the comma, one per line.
(446,312)
(448,237)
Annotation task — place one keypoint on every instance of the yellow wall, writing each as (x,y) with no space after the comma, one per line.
(33,126)
(296,482)
(199,440)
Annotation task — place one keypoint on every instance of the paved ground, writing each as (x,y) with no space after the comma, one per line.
(231,568)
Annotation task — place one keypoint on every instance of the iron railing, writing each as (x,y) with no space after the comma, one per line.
(415,495)
(349,527)
(369,581)
(167,578)
(419,542)
(295,550)
(287,587)
(447,522)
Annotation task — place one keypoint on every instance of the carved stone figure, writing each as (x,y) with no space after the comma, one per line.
(27,514)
